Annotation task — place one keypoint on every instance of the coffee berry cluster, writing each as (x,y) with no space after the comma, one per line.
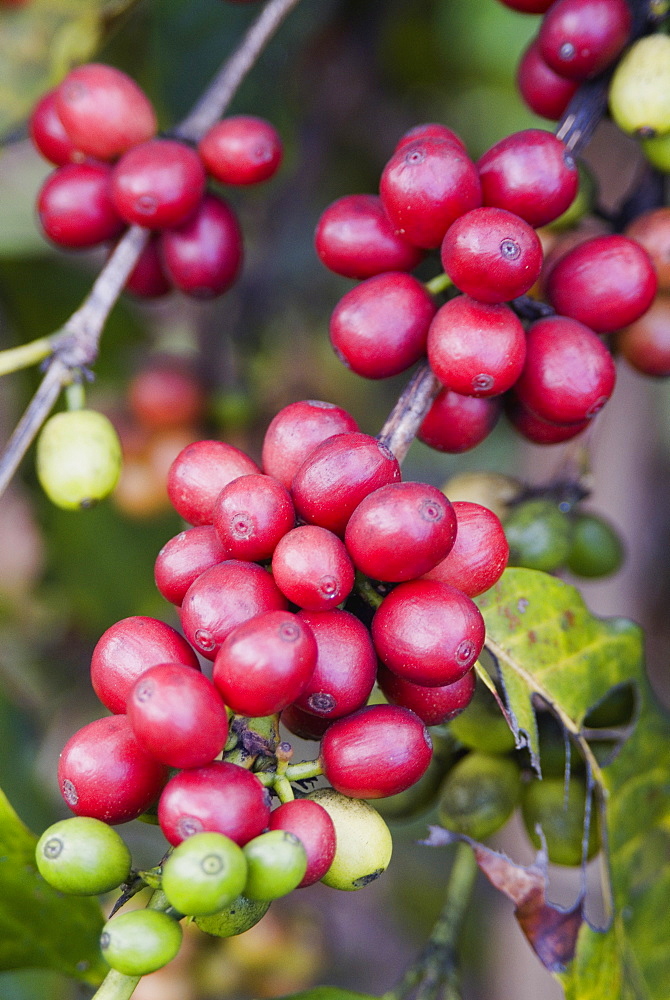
(112,170)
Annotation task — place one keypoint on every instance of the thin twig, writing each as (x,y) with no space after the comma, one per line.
(408,414)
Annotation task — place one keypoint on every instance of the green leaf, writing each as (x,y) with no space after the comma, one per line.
(40,927)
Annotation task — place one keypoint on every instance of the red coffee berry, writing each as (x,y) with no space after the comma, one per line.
(241,149)
(606,283)
(569,374)
(251,514)
(580,38)
(148,279)
(433,705)
(539,431)
(264,664)
(127,649)
(199,473)
(104,773)
(379,328)
(355,238)
(184,557)
(530,173)
(311,567)
(218,798)
(177,716)
(425,186)
(158,184)
(400,531)
(296,431)
(302,724)
(428,632)
(75,207)
(457,423)
(203,256)
(224,597)
(479,554)
(346,663)
(314,829)
(430,130)
(652,231)
(48,132)
(645,344)
(378,751)
(336,476)
(492,255)
(166,393)
(476,349)
(529,6)
(104,111)
(544,91)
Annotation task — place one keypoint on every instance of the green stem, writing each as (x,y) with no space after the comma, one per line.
(16,358)
(365,590)
(434,974)
(304,769)
(75,396)
(438,284)
(282,787)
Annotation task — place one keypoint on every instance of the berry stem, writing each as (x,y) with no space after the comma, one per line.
(15,358)
(408,413)
(438,284)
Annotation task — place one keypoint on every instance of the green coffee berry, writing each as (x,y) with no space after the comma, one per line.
(204,873)
(82,856)
(640,88)
(596,549)
(364,843)
(479,795)
(78,458)
(237,917)
(539,535)
(140,941)
(482,726)
(561,817)
(276,863)
(657,152)
(419,798)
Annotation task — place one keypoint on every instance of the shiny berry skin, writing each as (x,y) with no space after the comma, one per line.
(378,751)
(476,349)
(544,91)
(337,475)
(530,173)
(251,514)
(203,256)
(48,132)
(138,942)
(241,149)
(456,423)
(82,856)
(433,705)
(400,531)
(346,662)
(425,186)
(104,111)
(78,458)
(302,724)
(645,344)
(177,716)
(296,431)
(652,231)
(315,830)
(104,773)
(312,568)
(605,283)
(158,184)
(537,430)
(379,328)
(75,207)
(479,554)
(183,558)
(148,279)
(355,238)
(364,843)
(199,473)
(224,597)
(127,649)
(276,864)
(430,130)
(220,798)
(580,38)
(265,663)
(428,632)
(569,374)
(492,255)
(204,873)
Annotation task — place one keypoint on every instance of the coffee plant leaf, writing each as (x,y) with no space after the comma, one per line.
(40,42)
(40,927)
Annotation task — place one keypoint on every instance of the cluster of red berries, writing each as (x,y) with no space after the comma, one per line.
(577,40)
(551,377)
(99,128)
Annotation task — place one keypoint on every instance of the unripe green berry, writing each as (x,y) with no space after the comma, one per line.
(364,843)
(596,548)
(640,88)
(140,941)
(276,863)
(418,798)
(237,917)
(539,535)
(561,817)
(479,795)
(78,458)
(657,152)
(482,726)
(204,873)
(82,856)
